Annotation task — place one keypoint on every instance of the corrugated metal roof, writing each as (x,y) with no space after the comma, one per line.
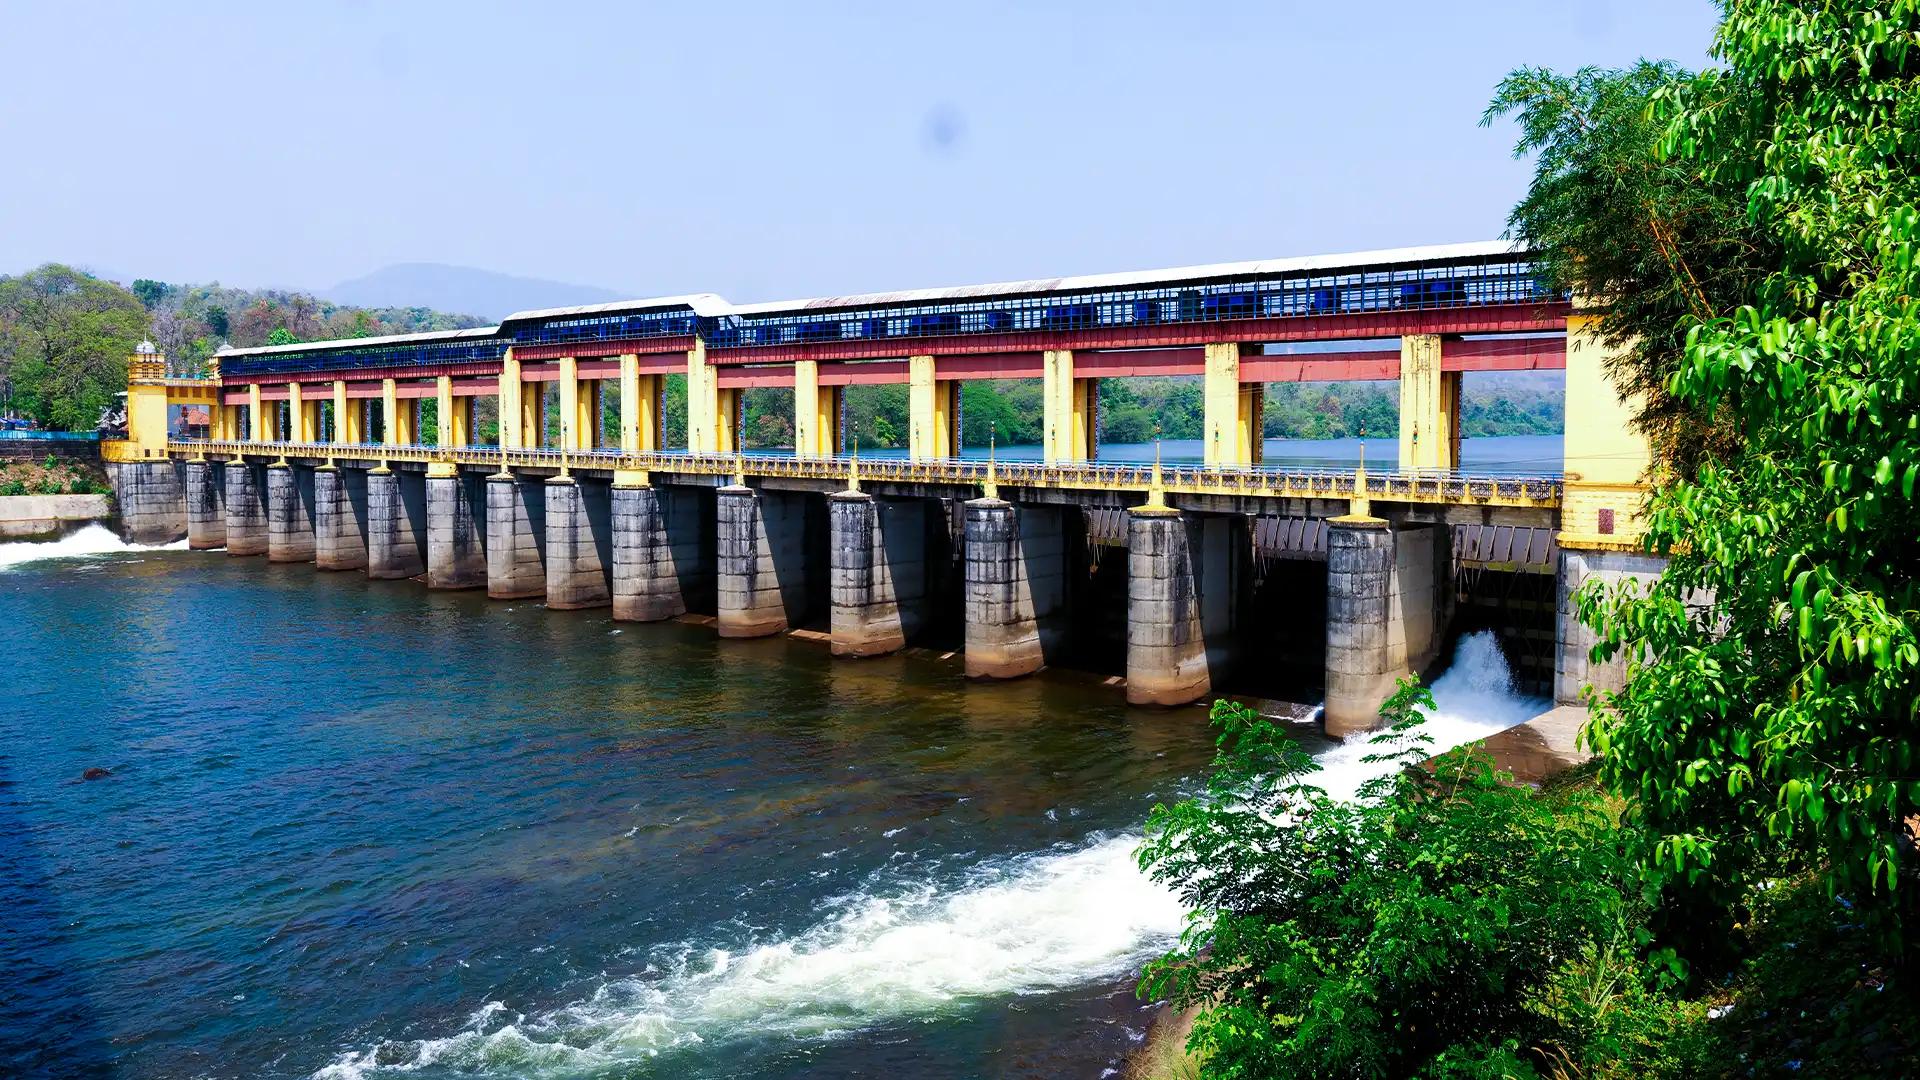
(705,303)
(1089,282)
(336,344)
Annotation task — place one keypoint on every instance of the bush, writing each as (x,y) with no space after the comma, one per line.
(13,487)
(1446,922)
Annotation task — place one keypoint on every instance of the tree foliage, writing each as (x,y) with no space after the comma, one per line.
(1772,705)
(1655,240)
(64,341)
(1433,925)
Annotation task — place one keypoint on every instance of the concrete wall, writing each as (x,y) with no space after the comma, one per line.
(1015,587)
(1384,604)
(456,531)
(579,524)
(46,516)
(206,495)
(289,513)
(516,537)
(246,503)
(1573,640)
(87,450)
(396,524)
(152,499)
(339,518)
(763,584)
(878,572)
(663,552)
(1185,575)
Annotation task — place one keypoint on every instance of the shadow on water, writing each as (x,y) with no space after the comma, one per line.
(47,1019)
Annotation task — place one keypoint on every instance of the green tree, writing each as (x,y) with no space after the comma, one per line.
(282,336)
(218,321)
(150,292)
(1657,239)
(64,341)
(1771,709)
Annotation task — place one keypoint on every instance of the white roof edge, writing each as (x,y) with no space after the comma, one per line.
(699,303)
(1084,282)
(334,344)
(708,304)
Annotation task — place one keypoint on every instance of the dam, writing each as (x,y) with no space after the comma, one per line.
(1169,573)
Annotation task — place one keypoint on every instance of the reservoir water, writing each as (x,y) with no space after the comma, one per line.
(353,828)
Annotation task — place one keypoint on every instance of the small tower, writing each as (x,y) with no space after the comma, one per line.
(146,407)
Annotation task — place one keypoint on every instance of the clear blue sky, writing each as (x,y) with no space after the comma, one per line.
(765,151)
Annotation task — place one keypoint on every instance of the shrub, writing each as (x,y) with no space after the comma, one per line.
(1445,922)
(13,486)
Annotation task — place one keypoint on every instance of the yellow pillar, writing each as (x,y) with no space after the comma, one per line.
(443,411)
(726,416)
(703,403)
(632,408)
(923,420)
(1064,401)
(587,424)
(1429,406)
(533,414)
(1607,458)
(341,423)
(396,422)
(296,415)
(569,403)
(807,436)
(510,391)
(256,416)
(1253,420)
(1226,419)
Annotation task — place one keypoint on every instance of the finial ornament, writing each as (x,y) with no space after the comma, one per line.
(991,489)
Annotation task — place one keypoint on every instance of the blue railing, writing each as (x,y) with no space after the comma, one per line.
(12,435)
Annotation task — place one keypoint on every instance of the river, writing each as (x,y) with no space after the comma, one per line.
(354,829)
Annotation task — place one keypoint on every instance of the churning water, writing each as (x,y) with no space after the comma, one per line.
(353,828)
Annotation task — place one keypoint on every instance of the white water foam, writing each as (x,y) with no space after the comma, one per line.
(94,540)
(1022,925)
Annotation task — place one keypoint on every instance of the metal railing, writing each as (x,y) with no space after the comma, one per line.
(1263,481)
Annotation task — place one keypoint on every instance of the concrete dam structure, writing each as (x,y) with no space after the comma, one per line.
(1182,578)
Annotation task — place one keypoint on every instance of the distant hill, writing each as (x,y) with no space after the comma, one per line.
(462,288)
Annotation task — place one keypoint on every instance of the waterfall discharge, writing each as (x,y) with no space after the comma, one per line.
(902,946)
(91,541)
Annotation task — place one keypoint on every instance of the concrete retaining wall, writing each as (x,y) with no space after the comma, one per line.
(1016,596)
(152,499)
(38,517)
(516,537)
(579,543)
(1573,641)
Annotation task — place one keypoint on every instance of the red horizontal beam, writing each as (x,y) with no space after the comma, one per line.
(539,372)
(598,369)
(745,378)
(324,378)
(871,373)
(476,387)
(635,346)
(1374,364)
(1505,354)
(1006,365)
(1120,365)
(1492,319)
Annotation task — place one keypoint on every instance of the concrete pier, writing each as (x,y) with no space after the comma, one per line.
(456,531)
(1573,639)
(762,585)
(289,513)
(396,524)
(246,502)
(1183,583)
(339,518)
(516,541)
(579,543)
(151,499)
(663,563)
(206,504)
(878,568)
(1382,624)
(1015,587)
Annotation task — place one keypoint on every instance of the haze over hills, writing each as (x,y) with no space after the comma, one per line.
(485,293)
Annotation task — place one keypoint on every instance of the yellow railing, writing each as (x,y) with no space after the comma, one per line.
(1259,482)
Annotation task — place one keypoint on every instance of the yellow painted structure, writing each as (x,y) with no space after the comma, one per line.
(816,412)
(510,391)
(146,409)
(932,405)
(570,412)
(256,416)
(703,403)
(639,408)
(1607,459)
(1429,406)
(1233,413)
(396,420)
(1065,401)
